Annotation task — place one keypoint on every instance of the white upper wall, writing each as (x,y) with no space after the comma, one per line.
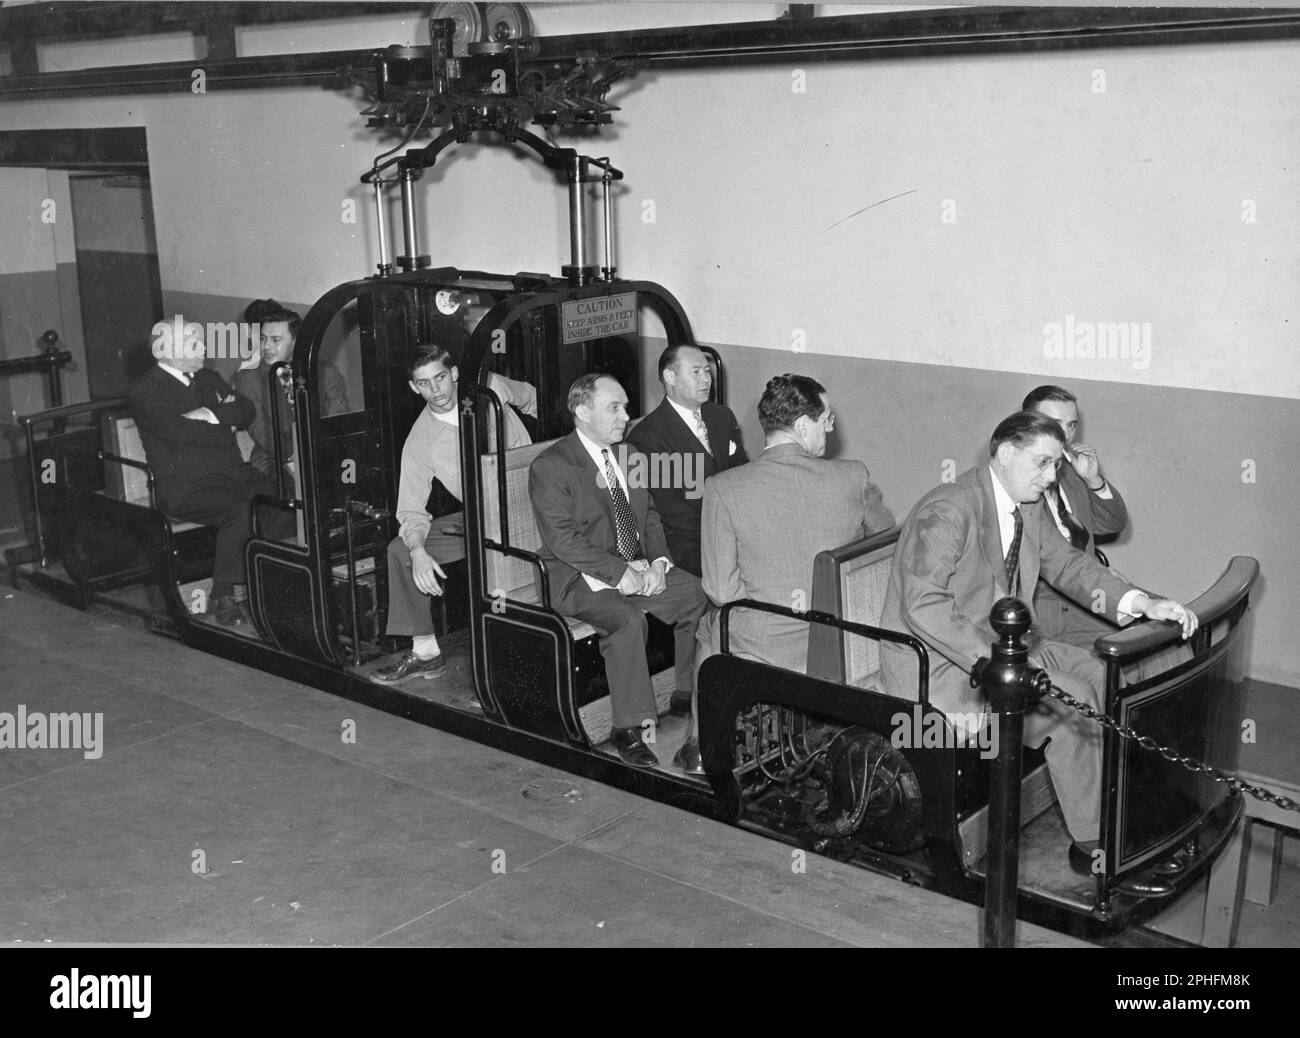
(1038,197)
(28,219)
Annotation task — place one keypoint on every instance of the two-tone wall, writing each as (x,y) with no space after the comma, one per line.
(930,238)
(38,287)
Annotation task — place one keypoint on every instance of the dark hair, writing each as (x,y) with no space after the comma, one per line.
(669,356)
(1022,428)
(1042,393)
(583,389)
(268,311)
(253,311)
(428,353)
(786,399)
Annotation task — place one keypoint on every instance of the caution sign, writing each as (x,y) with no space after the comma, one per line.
(583,319)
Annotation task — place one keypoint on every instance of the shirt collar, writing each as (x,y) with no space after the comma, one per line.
(451,417)
(687,416)
(1005,505)
(176,373)
(593,450)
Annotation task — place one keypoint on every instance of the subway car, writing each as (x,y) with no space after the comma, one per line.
(784,752)
(804,758)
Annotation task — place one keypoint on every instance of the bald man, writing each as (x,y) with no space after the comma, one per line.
(185,414)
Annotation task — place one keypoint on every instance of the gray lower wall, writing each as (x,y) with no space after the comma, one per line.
(1177,455)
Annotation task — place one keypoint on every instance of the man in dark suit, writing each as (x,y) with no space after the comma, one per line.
(688,435)
(1083,505)
(607,557)
(967,544)
(184,413)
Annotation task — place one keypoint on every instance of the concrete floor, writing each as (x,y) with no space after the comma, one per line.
(228,808)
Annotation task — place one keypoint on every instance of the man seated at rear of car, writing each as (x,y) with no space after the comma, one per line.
(185,414)
(424,544)
(987,535)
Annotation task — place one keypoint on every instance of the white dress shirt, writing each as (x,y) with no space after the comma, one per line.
(689,418)
(1007,528)
(598,458)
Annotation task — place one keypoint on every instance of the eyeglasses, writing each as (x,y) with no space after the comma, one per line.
(1042,460)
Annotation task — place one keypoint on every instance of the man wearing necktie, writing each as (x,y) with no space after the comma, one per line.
(1084,506)
(987,534)
(185,413)
(607,558)
(701,438)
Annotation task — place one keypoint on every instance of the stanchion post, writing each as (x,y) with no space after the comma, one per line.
(1009,683)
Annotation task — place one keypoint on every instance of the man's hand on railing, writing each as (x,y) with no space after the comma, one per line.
(1168,609)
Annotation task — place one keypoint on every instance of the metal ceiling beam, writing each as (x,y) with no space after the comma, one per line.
(912,33)
(952,32)
(62,20)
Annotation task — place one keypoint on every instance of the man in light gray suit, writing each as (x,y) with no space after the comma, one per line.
(764,523)
(967,544)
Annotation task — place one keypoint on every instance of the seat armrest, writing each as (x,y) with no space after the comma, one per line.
(543,577)
(117,459)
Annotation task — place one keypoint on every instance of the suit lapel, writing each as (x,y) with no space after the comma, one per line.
(591,477)
(990,529)
(719,440)
(1030,548)
(686,442)
(1080,506)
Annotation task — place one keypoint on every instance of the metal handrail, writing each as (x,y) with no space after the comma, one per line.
(818,617)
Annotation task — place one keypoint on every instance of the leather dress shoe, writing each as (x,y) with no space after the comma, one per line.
(688,758)
(680,704)
(631,749)
(410,666)
(1144,885)
(228,612)
(1081,856)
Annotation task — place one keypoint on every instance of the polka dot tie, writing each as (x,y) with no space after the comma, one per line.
(629,542)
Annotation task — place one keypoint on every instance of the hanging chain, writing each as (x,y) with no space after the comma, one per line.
(1170,754)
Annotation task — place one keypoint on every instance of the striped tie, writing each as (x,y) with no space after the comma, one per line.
(1013,554)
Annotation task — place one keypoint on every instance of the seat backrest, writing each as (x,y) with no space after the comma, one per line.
(850,583)
(122,438)
(516,578)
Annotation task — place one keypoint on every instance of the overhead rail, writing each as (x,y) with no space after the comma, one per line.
(933,33)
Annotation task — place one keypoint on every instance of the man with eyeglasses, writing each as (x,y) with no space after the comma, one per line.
(764,523)
(423,544)
(1083,505)
(967,544)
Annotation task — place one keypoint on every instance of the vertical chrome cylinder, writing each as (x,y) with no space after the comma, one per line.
(381,222)
(577,218)
(410,235)
(609,228)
